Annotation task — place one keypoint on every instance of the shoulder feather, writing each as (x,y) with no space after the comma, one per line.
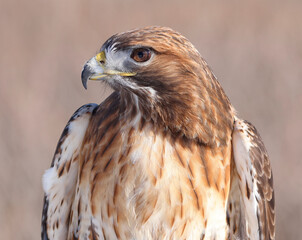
(253,176)
(60,179)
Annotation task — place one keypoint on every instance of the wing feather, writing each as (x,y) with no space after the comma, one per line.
(60,179)
(252,185)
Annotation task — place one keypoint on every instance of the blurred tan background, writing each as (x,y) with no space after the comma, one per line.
(254,48)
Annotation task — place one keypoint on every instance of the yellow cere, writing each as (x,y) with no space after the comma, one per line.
(101,57)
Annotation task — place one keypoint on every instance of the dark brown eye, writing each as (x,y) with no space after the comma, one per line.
(141,54)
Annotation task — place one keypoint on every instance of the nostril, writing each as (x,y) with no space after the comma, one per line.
(101,57)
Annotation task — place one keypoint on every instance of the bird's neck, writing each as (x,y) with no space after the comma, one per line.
(207,122)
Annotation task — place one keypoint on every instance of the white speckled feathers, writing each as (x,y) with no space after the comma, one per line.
(251,201)
(59,181)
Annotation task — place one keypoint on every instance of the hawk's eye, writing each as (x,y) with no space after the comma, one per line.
(141,54)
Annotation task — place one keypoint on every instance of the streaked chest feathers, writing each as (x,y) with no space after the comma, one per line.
(140,183)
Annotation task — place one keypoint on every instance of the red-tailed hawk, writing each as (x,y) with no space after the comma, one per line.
(165,156)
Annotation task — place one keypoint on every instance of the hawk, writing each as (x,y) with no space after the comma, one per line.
(165,156)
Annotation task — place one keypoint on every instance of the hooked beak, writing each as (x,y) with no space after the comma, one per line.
(95,69)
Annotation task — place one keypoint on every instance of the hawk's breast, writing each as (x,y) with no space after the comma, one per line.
(140,183)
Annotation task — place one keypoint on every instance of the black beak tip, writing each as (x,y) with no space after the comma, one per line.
(84,82)
(86,73)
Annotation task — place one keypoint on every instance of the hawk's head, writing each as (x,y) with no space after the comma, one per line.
(168,76)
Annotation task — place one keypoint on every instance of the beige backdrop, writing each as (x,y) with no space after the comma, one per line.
(254,48)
